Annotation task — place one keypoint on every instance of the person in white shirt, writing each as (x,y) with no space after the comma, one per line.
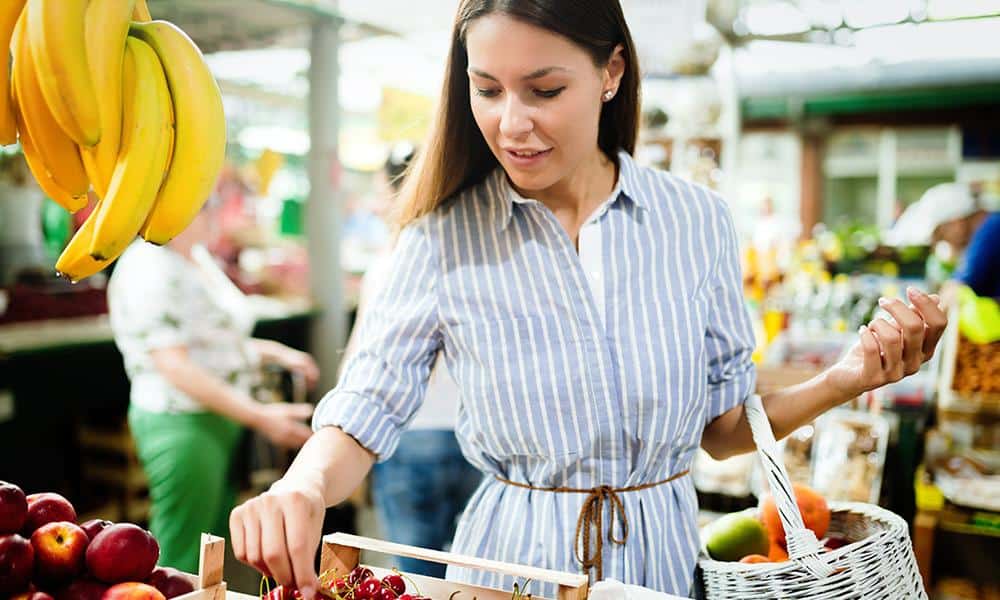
(192,365)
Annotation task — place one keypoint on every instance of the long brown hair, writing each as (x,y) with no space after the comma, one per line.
(455,155)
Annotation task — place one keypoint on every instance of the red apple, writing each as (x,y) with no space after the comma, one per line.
(17,561)
(33,595)
(133,591)
(95,526)
(46,508)
(13,508)
(122,552)
(170,581)
(60,548)
(83,589)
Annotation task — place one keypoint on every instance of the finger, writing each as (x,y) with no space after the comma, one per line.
(273,546)
(933,315)
(891,340)
(300,411)
(911,325)
(236,534)
(302,531)
(872,359)
(251,538)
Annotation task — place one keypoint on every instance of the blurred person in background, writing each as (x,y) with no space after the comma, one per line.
(964,237)
(977,234)
(192,364)
(422,488)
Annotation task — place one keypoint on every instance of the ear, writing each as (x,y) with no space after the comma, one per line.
(615,68)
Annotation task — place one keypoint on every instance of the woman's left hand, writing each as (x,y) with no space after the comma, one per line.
(889,351)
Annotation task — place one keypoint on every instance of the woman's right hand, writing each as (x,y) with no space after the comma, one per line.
(284,423)
(278,532)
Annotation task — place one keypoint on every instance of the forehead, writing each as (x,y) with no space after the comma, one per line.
(507,47)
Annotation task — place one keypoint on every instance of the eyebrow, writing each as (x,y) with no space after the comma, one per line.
(533,75)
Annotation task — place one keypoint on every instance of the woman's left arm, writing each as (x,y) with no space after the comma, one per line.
(886,352)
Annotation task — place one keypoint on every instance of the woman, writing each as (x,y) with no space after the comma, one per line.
(590,311)
(191,365)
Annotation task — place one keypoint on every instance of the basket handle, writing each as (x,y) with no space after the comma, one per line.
(803,547)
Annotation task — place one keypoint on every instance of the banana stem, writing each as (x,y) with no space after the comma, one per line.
(141,11)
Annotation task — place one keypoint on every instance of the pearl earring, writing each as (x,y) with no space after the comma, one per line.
(608,95)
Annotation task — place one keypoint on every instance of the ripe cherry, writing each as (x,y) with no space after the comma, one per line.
(386,594)
(395,583)
(359,574)
(370,587)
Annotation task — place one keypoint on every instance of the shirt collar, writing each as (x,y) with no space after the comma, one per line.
(626,187)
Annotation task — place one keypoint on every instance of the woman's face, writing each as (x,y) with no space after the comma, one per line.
(536,97)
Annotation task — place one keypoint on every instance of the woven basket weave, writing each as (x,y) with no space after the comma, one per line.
(877,564)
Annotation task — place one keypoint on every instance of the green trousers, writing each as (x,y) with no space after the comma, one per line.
(188,461)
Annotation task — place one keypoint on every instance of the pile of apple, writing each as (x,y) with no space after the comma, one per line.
(46,555)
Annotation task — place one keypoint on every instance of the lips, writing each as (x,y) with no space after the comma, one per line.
(526,153)
(526,158)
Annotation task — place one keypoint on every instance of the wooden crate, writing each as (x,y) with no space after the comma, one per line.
(208,582)
(341,553)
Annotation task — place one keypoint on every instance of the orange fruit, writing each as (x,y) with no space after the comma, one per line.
(754,558)
(814,509)
(777,553)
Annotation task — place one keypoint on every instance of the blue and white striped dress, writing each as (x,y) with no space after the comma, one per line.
(561,388)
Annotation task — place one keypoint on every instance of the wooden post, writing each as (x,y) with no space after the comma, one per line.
(811,203)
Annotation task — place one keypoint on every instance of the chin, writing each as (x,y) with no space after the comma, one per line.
(530,182)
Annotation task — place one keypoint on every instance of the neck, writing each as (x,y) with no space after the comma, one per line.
(582,190)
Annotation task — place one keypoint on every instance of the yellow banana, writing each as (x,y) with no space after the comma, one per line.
(107,28)
(199,135)
(56,152)
(141,12)
(56,38)
(37,166)
(147,122)
(75,262)
(9,13)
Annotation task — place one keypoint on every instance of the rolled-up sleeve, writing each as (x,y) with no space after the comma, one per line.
(383,383)
(729,338)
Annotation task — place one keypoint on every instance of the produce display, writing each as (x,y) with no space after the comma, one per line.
(977,368)
(360,584)
(46,555)
(104,99)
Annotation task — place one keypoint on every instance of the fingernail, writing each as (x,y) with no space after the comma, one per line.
(883,301)
(861,329)
(307,591)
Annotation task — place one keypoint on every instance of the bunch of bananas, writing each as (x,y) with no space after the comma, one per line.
(103,97)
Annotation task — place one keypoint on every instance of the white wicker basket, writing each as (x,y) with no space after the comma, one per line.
(878,564)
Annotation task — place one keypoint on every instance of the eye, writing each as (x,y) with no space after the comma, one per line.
(486,93)
(549,93)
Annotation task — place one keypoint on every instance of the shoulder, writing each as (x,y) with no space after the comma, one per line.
(476,202)
(662,190)
(144,267)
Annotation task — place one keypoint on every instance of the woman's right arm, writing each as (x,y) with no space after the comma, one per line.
(278,532)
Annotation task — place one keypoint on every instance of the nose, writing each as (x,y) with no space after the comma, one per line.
(515,122)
